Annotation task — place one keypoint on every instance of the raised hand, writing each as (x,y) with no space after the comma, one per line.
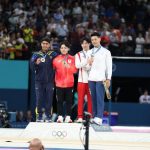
(38,61)
(90,61)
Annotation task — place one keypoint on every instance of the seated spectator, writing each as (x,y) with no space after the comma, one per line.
(62,31)
(55,44)
(127,43)
(145,98)
(140,41)
(58,16)
(147,42)
(10,51)
(77,10)
(29,117)
(115,38)
(20,116)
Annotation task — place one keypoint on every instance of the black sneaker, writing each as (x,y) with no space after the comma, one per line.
(39,119)
(48,119)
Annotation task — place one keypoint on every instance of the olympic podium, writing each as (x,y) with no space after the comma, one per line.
(68,132)
(71,136)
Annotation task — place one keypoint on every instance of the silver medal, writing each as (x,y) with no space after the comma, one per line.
(42,59)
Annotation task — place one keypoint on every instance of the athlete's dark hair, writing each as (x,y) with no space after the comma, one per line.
(45,39)
(95,34)
(66,43)
(85,39)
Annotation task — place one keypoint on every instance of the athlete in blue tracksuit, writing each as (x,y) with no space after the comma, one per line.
(41,65)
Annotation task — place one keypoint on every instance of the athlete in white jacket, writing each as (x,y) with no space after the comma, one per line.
(100,69)
(83,88)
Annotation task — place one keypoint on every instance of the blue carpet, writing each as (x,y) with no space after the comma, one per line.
(24,148)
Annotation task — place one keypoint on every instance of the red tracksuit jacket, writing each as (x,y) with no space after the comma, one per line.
(64,66)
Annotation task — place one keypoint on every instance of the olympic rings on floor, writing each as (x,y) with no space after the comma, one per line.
(59,134)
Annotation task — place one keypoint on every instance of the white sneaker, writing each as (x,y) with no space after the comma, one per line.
(80,120)
(60,119)
(91,120)
(68,119)
(97,121)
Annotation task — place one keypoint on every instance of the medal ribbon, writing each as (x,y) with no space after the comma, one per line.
(93,53)
(43,57)
(65,58)
(84,55)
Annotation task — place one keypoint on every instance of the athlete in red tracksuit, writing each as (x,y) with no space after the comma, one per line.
(83,88)
(64,65)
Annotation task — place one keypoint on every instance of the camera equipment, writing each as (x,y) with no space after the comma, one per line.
(4,123)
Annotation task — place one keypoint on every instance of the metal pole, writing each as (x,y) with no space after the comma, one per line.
(87,133)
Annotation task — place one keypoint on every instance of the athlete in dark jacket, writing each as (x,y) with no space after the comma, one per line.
(41,65)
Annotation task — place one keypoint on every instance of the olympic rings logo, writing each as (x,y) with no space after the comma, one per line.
(59,134)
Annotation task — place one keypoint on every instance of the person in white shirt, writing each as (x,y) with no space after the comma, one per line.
(140,41)
(83,88)
(100,64)
(145,98)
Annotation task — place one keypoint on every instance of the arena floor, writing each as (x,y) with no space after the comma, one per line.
(118,138)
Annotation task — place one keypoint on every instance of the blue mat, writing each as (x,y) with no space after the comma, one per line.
(25,148)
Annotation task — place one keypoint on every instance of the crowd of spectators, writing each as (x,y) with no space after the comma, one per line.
(24,117)
(18,119)
(124,25)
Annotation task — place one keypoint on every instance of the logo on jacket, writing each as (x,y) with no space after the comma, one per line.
(69,61)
